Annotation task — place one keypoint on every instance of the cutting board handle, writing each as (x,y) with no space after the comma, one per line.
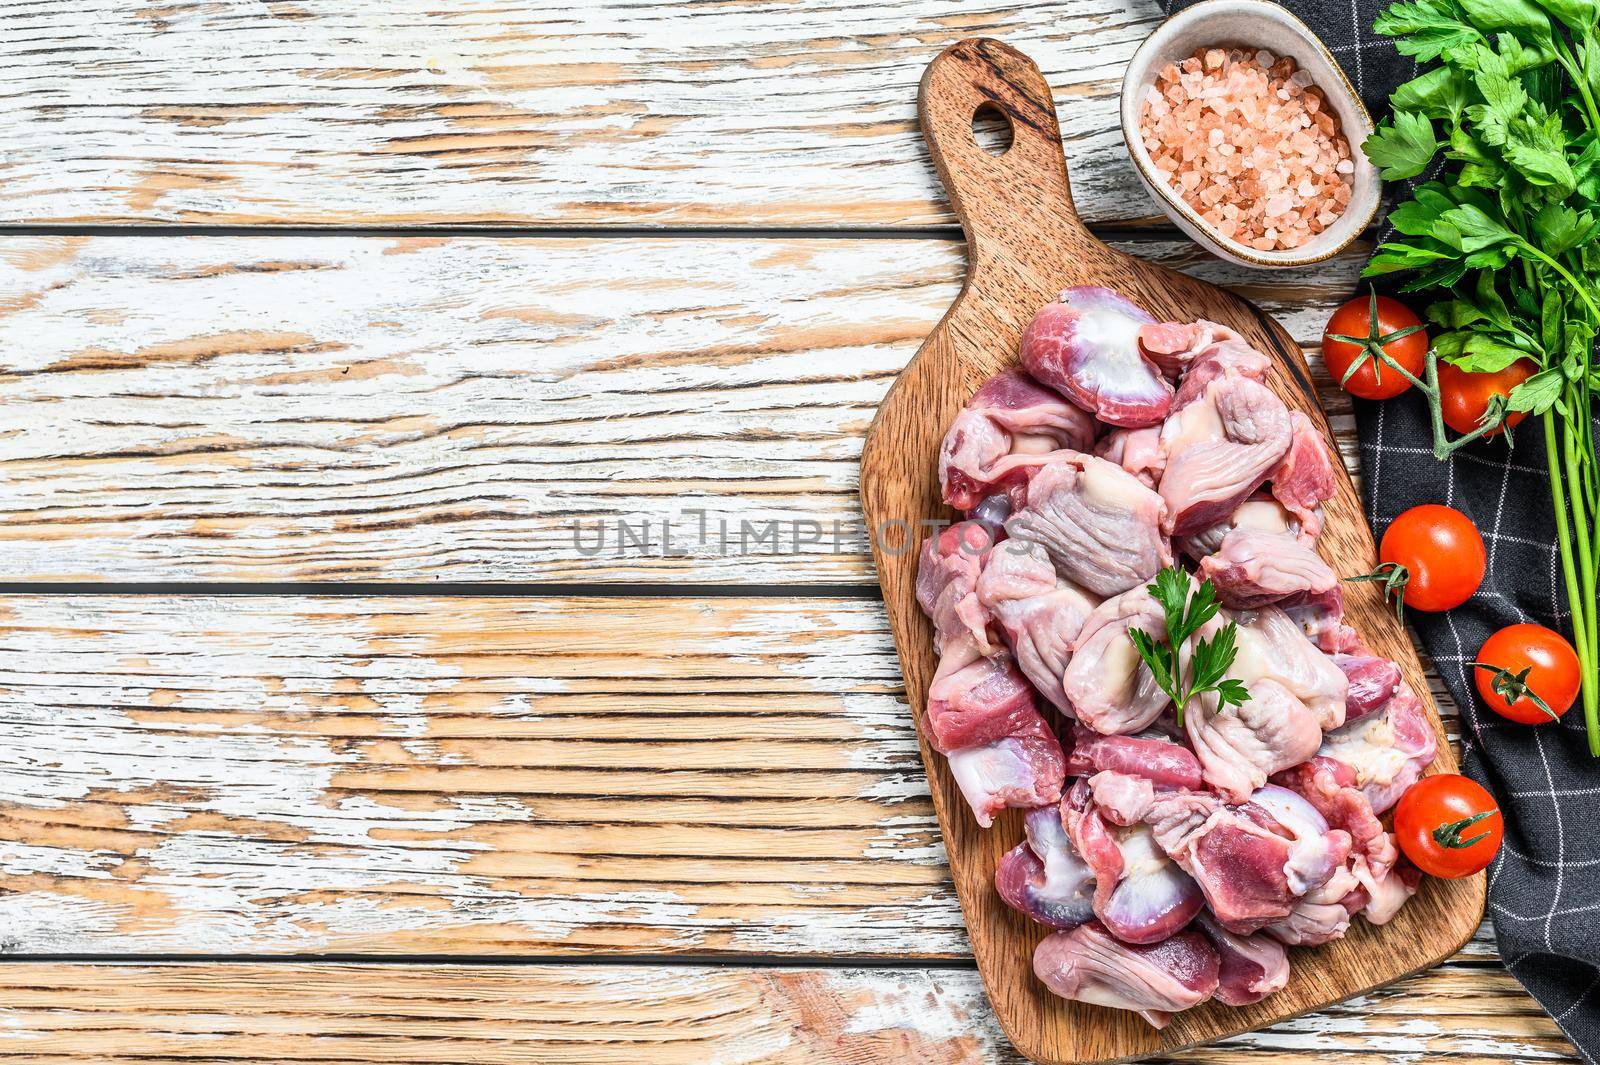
(996,197)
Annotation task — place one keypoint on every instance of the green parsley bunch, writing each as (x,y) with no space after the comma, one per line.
(1506,236)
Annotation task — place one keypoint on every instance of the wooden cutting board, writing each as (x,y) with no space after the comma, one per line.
(1025,243)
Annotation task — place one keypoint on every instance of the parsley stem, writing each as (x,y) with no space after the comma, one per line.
(1580,625)
(1577,286)
(1576,452)
(1576,72)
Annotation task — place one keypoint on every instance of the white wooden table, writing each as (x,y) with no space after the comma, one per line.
(323,326)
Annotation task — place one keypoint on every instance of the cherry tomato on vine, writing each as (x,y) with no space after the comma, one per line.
(1448,825)
(1464,397)
(1431,558)
(1532,674)
(1358,330)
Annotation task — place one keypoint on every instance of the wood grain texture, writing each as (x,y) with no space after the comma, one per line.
(410,112)
(469,409)
(269,1014)
(278,773)
(1024,245)
(483,775)
(266,775)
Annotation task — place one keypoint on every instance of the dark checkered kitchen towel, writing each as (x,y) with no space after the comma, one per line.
(1544,888)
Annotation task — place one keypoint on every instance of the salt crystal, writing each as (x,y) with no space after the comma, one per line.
(1247,141)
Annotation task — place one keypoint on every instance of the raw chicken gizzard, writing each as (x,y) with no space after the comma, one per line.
(1173,863)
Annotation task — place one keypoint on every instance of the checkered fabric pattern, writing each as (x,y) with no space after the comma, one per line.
(1345,26)
(1544,888)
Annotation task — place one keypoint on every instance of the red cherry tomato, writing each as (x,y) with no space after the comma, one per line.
(1442,555)
(1354,319)
(1552,674)
(1448,825)
(1464,397)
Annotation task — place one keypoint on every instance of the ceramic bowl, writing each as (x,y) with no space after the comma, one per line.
(1251,24)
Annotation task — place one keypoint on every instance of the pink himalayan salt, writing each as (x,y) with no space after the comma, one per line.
(1247,141)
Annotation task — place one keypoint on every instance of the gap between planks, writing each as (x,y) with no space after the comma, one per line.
(475,589)
(953,963)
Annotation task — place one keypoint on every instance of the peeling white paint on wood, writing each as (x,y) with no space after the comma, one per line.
(470,409)
(402,112)
(207,774)
(390,774)
(387,775)
(432,1014)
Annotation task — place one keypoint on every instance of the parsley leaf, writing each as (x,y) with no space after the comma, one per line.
(1539,392)
(1440,93)
(1185,613)
(1520,17)
(1404,148)
(1473,229)
(1481,353)
(1535,147)
(1579,14)
(1426,28)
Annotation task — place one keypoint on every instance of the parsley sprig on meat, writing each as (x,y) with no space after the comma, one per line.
(1507,235)
(1185,614)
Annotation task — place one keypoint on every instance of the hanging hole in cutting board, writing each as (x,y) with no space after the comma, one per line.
(991,128)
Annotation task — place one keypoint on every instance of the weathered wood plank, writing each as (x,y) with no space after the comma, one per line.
(408,112)
(481,775)
(476,409)
(57,1014)
(486,775)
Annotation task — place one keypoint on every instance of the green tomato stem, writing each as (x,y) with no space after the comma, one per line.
(1443,447)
